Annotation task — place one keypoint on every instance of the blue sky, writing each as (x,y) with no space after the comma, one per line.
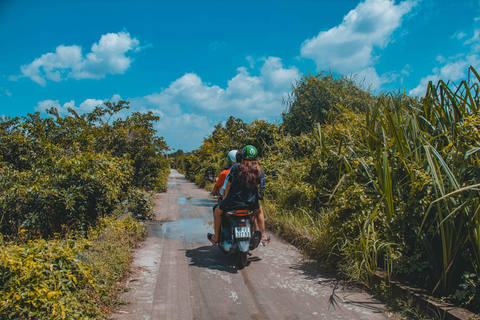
(195,63)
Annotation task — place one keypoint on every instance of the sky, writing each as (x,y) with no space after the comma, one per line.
(196,63)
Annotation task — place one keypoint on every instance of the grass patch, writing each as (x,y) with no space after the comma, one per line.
(299,227)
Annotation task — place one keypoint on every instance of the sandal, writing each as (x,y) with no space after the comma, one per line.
(267,241)
(209,236)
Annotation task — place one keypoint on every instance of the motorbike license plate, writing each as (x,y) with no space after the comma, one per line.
(242,232)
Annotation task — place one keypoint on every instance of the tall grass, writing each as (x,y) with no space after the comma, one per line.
(403,137)
(301,227)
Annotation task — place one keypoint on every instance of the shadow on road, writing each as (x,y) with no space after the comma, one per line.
(312,271)
(370,304)
(210,257)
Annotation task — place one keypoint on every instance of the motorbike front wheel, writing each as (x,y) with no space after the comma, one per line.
(242,259)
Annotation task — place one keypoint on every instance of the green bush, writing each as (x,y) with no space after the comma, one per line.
(71,278)
(314,99)
(73,190)
(64,172)
(45,280)
(140,205)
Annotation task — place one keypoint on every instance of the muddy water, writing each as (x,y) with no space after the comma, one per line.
(188,229)
(191,201)
(195,222)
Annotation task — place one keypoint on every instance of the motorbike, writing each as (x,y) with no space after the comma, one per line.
(237,235)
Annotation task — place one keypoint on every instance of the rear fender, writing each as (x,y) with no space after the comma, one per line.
(243,245)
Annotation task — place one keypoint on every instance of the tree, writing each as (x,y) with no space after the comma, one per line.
(314,99)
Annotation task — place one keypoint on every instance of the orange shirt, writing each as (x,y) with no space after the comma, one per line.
(221,178)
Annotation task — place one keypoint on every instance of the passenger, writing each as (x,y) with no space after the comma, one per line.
(245,183)
(231,157)
(238,159)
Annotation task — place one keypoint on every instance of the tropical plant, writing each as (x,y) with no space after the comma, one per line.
(314,100)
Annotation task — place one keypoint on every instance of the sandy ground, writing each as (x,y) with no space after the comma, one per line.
(178,274)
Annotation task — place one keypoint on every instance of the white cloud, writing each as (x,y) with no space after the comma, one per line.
(276,77)
(188,103)
(349,46)
(5,91)
(459,35)
(108,56)
(243,86)
(116,98)
(245,94)
(251,61)
(86,106)
(52,65)
(185,131)
(474,41)
(48,104)
(369,78)
(89,105)
(441,59)
(453,69)
(407,70)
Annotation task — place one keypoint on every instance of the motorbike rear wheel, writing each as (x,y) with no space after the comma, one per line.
(242,259)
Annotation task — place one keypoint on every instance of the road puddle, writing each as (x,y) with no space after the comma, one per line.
(179,178)
(191,201)
(188,229)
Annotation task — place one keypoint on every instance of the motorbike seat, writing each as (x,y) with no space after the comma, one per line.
(237,210)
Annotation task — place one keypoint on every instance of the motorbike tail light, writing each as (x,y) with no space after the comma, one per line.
(242,224)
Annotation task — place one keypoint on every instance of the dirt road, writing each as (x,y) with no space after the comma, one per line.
(178,274)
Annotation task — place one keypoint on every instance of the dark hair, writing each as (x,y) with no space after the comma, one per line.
(250,174)
(239,156)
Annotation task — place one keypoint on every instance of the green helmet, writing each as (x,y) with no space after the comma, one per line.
(249,153)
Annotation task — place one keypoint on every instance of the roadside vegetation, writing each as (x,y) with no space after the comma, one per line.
(64,181)
(363,181)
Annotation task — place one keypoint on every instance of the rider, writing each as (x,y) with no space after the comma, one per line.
(231,157)
(246,181)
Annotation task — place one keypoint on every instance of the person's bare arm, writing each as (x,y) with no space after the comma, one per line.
(227,188)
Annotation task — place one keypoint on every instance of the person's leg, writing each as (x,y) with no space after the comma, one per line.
(217,221)
(255,221)
(259,222)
